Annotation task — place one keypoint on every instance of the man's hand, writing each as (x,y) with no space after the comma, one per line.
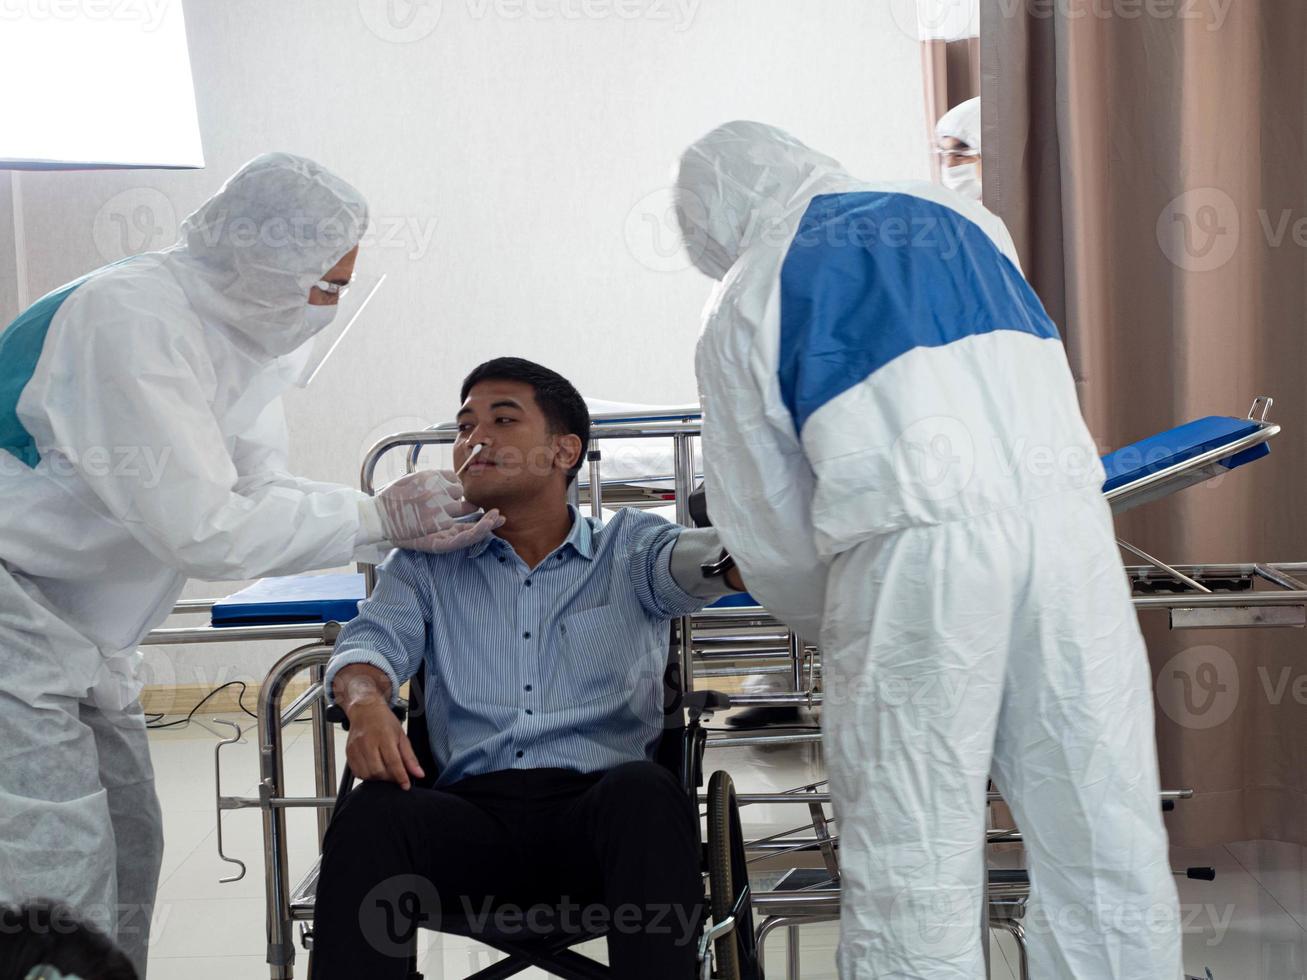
(377,747)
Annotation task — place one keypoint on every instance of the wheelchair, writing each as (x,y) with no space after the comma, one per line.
(727,943)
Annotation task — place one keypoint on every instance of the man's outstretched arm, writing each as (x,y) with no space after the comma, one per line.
(377,651)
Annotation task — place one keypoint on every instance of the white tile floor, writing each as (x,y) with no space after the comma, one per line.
(1249,924)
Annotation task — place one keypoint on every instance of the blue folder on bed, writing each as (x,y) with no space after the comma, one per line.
(293,599)
(1177,445)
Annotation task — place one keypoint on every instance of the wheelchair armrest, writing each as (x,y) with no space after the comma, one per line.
(705,702)
(336,714)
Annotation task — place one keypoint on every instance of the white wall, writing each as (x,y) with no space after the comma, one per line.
(509,161)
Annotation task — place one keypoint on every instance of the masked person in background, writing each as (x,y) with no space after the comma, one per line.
(142,442)
(957,137)
(877,380)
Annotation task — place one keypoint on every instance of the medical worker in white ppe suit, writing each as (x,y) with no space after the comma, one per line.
(957,142)
(895,457)
(142,441)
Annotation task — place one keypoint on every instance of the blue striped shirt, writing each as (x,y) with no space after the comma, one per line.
(559,666)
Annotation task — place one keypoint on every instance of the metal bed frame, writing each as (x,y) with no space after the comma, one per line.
(719,640)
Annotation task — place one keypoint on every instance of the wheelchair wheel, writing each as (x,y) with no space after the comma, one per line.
(728,882)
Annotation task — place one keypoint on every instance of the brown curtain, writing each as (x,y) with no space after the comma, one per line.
(1153,171)
(952,75)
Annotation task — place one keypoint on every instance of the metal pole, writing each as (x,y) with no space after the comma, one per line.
(324,751)
(21,288)
(281,945)
(1163,566)
(684,458)
(796,662)
(596,482)
(792,953)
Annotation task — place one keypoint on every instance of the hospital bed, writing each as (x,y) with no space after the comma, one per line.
(1257,594)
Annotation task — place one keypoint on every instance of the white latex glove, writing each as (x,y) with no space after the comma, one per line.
(457,536)
(416,506)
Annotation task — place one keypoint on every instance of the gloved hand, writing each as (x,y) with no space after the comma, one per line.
(456,536)
(416,506)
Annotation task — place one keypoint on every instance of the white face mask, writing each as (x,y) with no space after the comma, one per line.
(964,179)
(319,317)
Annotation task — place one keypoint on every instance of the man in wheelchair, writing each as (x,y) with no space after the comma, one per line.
(544,649)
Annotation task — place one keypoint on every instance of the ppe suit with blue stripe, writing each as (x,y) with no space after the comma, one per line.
(142,441)
(894,455)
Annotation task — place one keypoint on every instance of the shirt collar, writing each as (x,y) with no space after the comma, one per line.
(580,538)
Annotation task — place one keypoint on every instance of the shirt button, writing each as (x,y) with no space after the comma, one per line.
(528,687)
(520,754)
(528,583)
(529,711)
(526,636)
(502,559)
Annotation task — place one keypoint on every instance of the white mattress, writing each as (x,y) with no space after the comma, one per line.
(639,461)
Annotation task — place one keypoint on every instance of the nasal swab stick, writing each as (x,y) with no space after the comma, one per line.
(476,451)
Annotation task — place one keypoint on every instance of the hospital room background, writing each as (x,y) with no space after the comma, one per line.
(518,161)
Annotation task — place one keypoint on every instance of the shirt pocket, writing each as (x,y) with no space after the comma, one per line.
(605,654)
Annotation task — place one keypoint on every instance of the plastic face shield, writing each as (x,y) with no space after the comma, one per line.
(349,308)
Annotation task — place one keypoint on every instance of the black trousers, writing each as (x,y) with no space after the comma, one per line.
(521,853)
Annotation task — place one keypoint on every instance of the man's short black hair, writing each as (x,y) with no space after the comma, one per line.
(563,407)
